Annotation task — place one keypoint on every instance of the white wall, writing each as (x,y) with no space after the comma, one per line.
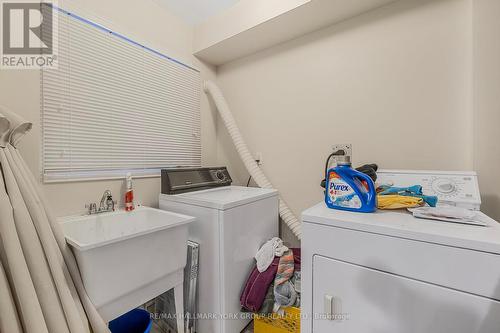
(394,82)
(144,21)
(487,102)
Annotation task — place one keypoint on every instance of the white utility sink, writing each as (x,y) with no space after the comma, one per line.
(128,258)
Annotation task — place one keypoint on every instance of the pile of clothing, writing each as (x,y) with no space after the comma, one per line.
(275,280)
(392,197)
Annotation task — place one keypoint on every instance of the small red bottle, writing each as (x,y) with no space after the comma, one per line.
(129,194)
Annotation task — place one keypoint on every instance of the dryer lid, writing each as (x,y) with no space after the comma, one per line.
(402,224)
(222,198)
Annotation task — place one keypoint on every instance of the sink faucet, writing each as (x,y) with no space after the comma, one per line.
(106,205)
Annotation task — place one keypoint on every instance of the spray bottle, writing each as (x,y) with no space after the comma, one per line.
(129,194)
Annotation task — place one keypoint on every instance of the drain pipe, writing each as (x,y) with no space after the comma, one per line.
(253,168)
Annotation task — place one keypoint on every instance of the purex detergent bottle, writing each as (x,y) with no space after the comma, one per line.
(348,189)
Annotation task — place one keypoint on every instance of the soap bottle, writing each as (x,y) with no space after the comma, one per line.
(349,189)
(129,194)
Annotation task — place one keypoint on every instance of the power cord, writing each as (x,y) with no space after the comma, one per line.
(339,152)
(250,177)
(368,169)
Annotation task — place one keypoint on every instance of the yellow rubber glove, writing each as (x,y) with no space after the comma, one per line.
(398,202)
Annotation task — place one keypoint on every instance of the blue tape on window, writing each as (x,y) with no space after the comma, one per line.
(102,28)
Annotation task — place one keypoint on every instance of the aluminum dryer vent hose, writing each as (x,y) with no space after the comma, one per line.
(253,168)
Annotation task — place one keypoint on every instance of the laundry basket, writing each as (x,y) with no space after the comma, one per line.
(288,323)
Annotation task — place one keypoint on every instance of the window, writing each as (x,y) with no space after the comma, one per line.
(114,106)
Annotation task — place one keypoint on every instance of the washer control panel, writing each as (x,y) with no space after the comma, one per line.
(182,180)
(455,188)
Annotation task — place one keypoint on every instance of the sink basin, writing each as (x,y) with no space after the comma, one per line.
(128,258)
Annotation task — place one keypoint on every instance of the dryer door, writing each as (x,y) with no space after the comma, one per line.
(349,298)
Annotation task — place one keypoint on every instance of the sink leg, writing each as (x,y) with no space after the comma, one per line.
(179,306)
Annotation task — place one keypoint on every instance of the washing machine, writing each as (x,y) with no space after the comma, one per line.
(232,223)
(390,272)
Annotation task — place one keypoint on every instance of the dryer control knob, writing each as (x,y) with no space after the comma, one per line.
(444,186)
(220,175)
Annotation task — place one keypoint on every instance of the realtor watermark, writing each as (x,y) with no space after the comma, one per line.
(339,317)
(28,34)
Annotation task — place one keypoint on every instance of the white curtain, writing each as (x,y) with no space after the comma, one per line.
(40,286)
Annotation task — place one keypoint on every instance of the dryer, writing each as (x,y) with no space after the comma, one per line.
(232,223)
(390,272)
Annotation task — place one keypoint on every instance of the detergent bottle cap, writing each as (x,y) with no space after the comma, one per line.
(343,159)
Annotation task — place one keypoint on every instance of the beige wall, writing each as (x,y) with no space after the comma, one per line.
(143,21)
(394,82)
(487,102)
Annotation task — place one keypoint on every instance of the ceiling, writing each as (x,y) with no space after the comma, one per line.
(196,11)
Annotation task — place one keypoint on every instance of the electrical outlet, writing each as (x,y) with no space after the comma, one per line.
(347,147)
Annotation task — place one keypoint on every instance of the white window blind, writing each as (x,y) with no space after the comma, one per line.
(113,106)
